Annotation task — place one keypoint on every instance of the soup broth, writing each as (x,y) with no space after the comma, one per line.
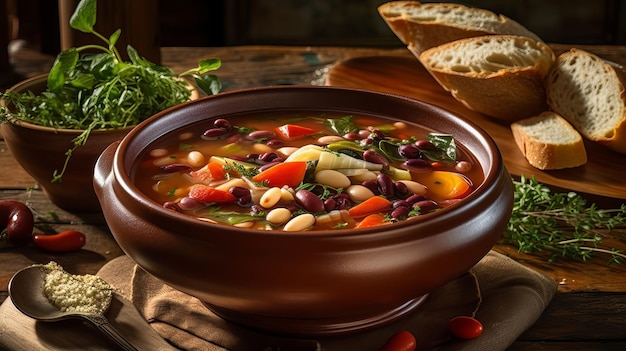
(296,171)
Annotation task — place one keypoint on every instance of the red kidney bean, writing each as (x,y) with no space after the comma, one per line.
(274,143)
(400,203)
(465,327)
(352,136)
(401,189)
(309,201)
(463,167)
(426,206)
(175,167)
(414,198)
(189,204)
(375,157)
(222,123)
(400,341)
(376,135)
(65,241)
(239,191)
(171,205)
(385,184)
(268,157)
(400,212)
(268,165)
(261,134)
(364,133)
(330,204)
(372,185)
(18,220)
(409,151)
(417,165)
(215,133)
(424,144)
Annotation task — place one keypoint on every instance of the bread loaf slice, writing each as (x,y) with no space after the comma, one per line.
(501,76)
(589,93)
(423,26)
(548,141)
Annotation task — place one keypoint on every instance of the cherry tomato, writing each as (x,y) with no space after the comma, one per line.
(465,327)
(65,241)
(18,220)
(400,341)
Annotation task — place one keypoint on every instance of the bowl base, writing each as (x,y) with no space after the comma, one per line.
(302,327)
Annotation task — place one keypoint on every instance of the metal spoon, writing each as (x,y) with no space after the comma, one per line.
(26,292)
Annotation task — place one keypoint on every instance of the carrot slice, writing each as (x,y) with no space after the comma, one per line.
(210,172)
(374,204)
(444,185)
(208,194)
(293,131)
(286,173)
(373,220)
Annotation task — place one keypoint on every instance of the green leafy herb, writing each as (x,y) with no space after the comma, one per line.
(100,90)
(561,224)
(342,125)
(445,148)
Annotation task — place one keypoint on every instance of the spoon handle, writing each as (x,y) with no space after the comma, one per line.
(103,324)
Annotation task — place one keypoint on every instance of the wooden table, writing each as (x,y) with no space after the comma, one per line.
(588,312)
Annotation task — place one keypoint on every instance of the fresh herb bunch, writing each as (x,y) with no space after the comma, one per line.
(100,90)
(561,223)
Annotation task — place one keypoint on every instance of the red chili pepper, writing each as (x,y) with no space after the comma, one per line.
(65,241)
(18,221)
(465,327)
(400,341)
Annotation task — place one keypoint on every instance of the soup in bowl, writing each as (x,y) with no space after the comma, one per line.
(305,210)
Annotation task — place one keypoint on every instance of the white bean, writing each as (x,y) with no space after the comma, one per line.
(301,222)
(247,224)
(164,161)
(359,193)
(286,195)
(414,187)
(159,152)
(329,139)
(196,159)
(278,216)
(261,148)
(332,178)
(270,197)
(285,151)
(360,178)
(231,183)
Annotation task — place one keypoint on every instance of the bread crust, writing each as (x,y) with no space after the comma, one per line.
(508,92)
(561,78)
(544,153)
(422,33)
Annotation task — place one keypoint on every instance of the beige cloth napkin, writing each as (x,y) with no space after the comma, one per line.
(504,295)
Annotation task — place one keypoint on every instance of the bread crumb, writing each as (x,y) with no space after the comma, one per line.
(76,293)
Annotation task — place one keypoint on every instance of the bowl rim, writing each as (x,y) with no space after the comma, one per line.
(122,173)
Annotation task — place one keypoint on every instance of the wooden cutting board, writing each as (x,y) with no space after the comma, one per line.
(604,174)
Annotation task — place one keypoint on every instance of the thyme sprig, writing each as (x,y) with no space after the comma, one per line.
(562,224)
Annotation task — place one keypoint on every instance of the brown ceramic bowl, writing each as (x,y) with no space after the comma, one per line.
(305,283)
(42,150)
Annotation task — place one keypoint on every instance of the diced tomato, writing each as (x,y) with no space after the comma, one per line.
(294,131)
(210,172)
(286,173)
(208,194)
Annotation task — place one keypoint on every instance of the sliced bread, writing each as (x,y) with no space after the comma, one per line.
(589,93)
(422,26)
(501,76)
(548,141)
